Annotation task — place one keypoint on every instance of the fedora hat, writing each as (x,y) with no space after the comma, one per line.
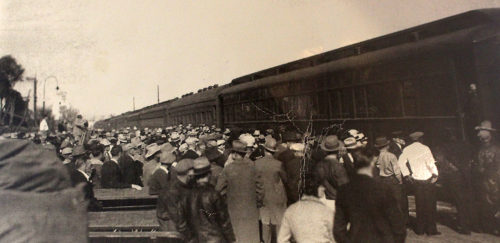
(270,144)
(416,135)
(239,146)
(152,150)
(79,150)
(201,166)
(486,125)
(381,142)
(331,143)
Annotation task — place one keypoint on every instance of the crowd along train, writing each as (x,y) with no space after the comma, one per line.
(439,76)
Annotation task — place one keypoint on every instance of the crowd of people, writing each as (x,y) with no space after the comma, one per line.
(278,185)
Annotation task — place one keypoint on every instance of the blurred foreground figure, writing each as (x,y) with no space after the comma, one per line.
(369,206)
(38,202)
(206,212)
(307,220)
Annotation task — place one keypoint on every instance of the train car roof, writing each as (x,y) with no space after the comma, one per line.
(207,95)
(420,32)
(428,37)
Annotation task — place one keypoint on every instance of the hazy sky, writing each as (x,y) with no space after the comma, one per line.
(104,52)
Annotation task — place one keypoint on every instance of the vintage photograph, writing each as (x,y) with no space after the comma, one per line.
(265,121)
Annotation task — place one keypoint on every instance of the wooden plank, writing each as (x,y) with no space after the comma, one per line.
(102,194)
(153,234)
(134,237)
(123,220)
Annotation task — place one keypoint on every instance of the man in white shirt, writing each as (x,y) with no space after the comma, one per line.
(44,126)
(418,167)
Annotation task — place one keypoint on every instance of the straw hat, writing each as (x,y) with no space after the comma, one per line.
(270,144)
(486,125)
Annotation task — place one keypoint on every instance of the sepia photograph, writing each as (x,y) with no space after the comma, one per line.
(264,121)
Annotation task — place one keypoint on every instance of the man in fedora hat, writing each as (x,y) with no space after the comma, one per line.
(206,212)
(351,145)
(240,183)
(171,199)
(273,179)
(162,173)
(329,171)
(389,171)
(486,178)
(397,143)
(418,166)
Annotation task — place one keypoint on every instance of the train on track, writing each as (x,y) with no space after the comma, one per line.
(443,75)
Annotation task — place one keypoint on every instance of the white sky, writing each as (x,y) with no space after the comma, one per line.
(104,52)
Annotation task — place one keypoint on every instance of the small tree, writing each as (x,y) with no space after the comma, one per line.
(10,73)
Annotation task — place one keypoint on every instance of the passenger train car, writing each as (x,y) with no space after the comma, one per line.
(442,75)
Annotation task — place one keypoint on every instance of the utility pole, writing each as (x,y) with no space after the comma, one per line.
(158,92)
(34,98)
(133,103)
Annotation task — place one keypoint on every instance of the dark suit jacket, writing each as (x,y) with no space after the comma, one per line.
(190,154)
(372,211)
(292,166)
(332,175)
(394,148)
(131,171)
(159,181)
(77,177)
(112,176)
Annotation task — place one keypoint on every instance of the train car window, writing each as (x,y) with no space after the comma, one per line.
(260,110)
(335,104)
(441,86)
(410,98)
(302,107)
(360,101)
(384,100)
(321,105)
(247,112)
(347,103)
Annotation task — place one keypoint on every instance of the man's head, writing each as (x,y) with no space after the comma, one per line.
(311,185)
(202,170)
(364,160)
(485,130)
(416,136)
(97,151)
(185,171)
(116,152)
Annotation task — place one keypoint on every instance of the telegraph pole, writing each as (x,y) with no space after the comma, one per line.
(34,97)
(158,92)
(133,103)
(34,100)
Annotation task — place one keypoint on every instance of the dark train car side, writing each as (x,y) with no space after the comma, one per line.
(441,76)
(198,108)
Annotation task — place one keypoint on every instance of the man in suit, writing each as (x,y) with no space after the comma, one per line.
(130,171)
(169,207)
(111,173)
(240,183)
(273,179)
(163,172)
(76,170)
(368,206)
(329,171)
